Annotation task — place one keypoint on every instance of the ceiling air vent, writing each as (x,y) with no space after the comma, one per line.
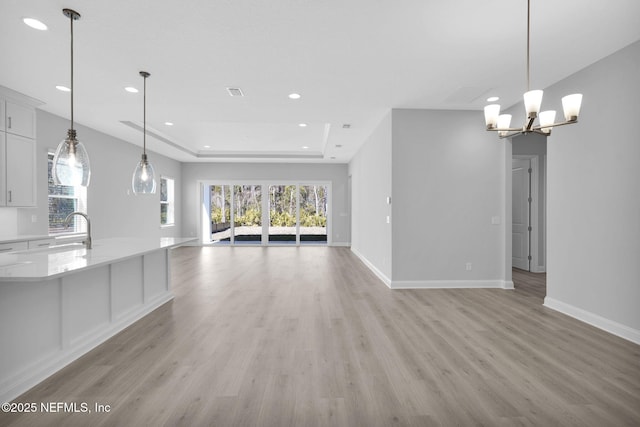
(346,126)
(235,91)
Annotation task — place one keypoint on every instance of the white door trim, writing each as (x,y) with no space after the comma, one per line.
(536,223)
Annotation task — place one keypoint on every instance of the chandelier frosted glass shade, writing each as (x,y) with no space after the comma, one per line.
(71,163)
(547,118)
(571,106)
(144,177)
(532,102)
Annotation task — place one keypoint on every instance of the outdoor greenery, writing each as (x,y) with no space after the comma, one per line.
(282,205)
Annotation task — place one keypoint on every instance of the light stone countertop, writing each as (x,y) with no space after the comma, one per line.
(24,238)
(49,263)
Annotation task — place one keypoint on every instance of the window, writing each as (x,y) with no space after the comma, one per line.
(64,199)
(167,201)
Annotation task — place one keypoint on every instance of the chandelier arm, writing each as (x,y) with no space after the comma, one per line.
(529,124)
(505,129)
(509,135)
(566,122)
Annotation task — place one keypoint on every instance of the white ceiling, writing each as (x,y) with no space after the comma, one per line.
(351,60)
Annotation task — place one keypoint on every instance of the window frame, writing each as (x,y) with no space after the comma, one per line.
(80,195)
(170,202)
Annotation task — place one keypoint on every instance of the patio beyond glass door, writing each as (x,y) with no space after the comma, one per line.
(247,214)
(221,213)
(283,208)
(313,213)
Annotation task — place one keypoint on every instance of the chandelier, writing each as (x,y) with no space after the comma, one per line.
(532,101)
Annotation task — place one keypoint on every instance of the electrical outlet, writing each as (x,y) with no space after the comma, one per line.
(468,266)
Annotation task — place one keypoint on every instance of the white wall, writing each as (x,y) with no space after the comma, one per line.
(593,250)
(114,210)
(448,183)
(370,171)
(8,221)
(194,173)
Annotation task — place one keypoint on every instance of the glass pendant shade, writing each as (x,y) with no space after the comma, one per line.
(504,121)
(571,106)
(144,177)
(491,113)
(71,163)
(532,102)
(546,119)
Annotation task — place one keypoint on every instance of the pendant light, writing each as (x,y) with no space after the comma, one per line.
(532,101)
(144,179)
(70,161)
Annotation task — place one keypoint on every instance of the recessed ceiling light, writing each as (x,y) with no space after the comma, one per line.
(207,146)
(63,88)
(302,125)
(34,23)
(493,98)
(333,157)
(168,123)
(131,89)
(304,147)
(294,96)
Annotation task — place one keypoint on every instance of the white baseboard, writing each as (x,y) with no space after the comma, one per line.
(372,267)
(342,244)
(451,284)
(615,328)
(538,269)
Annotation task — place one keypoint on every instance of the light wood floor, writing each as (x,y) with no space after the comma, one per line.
(308,336)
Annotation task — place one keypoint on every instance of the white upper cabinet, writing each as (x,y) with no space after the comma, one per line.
(20,120)
(17,149)
(3,170)
(21,171)
(2,116)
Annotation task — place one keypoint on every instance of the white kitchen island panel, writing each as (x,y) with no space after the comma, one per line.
(50,316)
(156,280)
(31,336)
(85,305)
(128,290)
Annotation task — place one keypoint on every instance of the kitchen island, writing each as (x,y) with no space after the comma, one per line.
(59,302)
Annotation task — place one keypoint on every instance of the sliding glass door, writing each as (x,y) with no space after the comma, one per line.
(261,213)
(220,213)
(283,218)
(313,213)
(247,214)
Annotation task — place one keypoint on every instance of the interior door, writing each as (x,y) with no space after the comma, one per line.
(520,213)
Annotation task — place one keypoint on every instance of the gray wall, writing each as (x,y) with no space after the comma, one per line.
(194,173)
(114,210)
(370,171)
(593,248)
(448,183)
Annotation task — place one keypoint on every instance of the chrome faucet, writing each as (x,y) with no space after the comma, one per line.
(67,220)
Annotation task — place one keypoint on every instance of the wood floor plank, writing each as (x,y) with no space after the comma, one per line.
(310,337)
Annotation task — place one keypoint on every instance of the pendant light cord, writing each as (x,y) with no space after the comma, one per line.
(144,117)
(71,18)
